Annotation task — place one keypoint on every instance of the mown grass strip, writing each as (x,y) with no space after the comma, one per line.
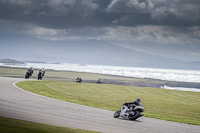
(8,125)
(178,106)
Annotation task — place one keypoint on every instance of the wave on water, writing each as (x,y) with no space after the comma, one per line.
(180,88)
(136,72)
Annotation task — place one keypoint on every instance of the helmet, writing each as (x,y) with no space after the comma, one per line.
(138,100)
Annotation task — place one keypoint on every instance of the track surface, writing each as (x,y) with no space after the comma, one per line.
(20,104)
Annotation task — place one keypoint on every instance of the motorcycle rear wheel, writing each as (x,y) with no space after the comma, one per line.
(117,113)
(135,116)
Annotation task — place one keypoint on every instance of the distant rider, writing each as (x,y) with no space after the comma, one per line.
(99,81)
(42,71)
(79,79)
(30,70)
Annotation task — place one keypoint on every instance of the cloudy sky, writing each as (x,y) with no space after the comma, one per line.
(169,28)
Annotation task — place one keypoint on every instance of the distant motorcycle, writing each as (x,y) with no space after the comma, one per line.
(99,81)
(132,112)
(40,76)
(28,74)
(79,80)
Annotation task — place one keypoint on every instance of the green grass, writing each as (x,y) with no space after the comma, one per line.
(12,72)
(178,106)
(8,125)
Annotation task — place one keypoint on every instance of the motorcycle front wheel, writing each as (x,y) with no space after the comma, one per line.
(26,76)
(135,116)
(117,113)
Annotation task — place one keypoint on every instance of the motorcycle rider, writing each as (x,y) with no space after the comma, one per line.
(79,79)
(42,71)
(99,81)
(137,102)
(132,105)
(132,110)
(30,70)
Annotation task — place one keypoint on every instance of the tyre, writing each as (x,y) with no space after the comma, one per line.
(39,76)
(117,113)
(26,76)
(135,116)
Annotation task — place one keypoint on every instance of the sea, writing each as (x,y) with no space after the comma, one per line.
(136,72)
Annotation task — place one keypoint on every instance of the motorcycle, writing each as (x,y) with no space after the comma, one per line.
(28,75)
(40,76)
(132,112)
(99,82)
(79,80)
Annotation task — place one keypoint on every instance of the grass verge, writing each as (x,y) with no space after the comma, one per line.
(8,125)
(178,106)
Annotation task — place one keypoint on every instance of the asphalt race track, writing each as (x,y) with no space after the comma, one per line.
(20,104)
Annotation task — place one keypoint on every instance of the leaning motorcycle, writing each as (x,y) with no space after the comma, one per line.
(27,75)
(40,76)
(132,112)
(79,80)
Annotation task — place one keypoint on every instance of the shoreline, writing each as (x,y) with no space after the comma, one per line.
(132,72)
(87,77)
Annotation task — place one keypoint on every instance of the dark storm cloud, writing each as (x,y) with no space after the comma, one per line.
(156,12)
(176,12)
(50,13)
(155,21)
(81,13)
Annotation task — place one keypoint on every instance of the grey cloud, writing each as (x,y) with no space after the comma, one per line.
(176,13)
(129,6)
(75,16)
(17,2)
(50,13)
(162,12)
(99,13)
(78,7)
